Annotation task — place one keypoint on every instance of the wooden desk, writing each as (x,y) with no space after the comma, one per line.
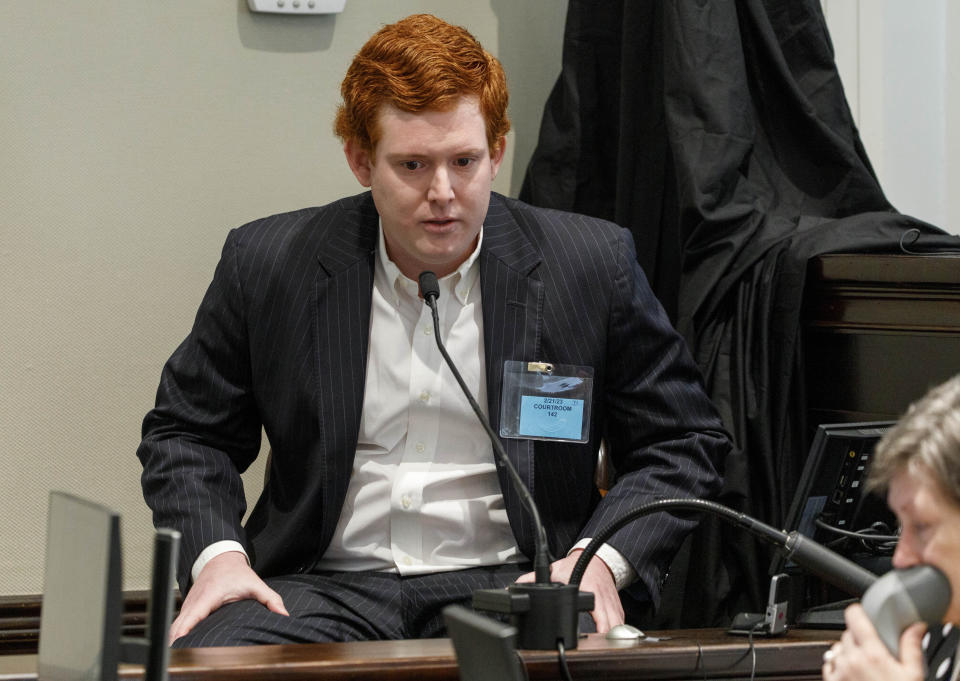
(687,654)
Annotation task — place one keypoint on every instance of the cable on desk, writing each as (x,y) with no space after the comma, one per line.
(701,662)
(562,654)
(753,651)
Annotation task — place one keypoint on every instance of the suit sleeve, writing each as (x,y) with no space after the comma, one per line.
(664,433)
(205,429)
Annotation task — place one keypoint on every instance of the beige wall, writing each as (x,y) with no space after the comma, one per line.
(133,135)
(899,70)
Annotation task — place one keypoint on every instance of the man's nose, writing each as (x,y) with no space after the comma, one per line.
(441,188)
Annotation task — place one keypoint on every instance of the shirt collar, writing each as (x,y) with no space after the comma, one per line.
(459,282)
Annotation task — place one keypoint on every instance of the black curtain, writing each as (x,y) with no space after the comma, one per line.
(719,134)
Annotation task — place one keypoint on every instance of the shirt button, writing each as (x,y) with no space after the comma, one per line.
(427,330)
(405,501)
(424,396)
(421,447)
(407,560)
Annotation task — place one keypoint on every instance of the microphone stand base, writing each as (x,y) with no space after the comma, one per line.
(542,613)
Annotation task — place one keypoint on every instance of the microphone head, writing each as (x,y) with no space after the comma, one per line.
(429,286)
(901,597)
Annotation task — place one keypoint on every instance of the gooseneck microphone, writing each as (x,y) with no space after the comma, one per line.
(545,611)
(892,602)
(808,554)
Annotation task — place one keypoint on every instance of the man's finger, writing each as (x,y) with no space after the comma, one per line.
(272,600)
(526,578)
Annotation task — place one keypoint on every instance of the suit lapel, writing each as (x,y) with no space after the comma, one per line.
(344,285)
(512,319)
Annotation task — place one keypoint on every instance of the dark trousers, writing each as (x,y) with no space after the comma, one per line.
(351,606)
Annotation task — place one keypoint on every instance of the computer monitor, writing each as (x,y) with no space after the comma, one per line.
(486,649)
(832,507)
(80,620)
(82,592)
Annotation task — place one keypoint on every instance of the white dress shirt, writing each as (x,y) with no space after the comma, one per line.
(424,495)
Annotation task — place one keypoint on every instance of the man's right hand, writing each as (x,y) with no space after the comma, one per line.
(225,579)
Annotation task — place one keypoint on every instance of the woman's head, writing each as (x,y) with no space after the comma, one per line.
(918,463)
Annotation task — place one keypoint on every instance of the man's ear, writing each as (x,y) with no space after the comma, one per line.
(359,160)
(496,158)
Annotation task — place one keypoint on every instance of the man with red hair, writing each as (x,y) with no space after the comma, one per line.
(383,502)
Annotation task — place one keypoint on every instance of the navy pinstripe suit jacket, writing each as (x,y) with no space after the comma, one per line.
(280,340)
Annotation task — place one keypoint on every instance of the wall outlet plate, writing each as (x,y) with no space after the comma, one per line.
(297,6)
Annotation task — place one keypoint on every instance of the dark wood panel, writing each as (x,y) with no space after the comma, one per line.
(20,620)
(935,270)
(876,373)
(684,655)
(878,332)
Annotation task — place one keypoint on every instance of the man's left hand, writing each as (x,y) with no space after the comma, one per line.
(607,611)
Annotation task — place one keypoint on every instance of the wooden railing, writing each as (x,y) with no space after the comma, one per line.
(20,621)
(681,655)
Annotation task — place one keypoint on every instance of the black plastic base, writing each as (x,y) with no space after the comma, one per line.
(542,613)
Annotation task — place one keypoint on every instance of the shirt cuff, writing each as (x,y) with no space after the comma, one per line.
(214,550)
(623,573)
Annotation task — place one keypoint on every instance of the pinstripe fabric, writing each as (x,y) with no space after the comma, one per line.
(567,289)
(281,339)
(349,607)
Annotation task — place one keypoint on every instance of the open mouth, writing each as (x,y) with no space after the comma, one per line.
(440,224)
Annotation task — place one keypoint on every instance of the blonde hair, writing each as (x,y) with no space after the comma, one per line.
(927,439)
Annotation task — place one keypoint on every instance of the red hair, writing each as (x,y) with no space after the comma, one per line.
(420,63)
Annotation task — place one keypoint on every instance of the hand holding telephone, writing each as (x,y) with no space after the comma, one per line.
(902,597)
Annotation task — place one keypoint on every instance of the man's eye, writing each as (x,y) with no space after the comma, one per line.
(412,165)
(464,162)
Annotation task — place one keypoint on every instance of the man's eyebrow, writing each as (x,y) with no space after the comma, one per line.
(400,155)
(413,155)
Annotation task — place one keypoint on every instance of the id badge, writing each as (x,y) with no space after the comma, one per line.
(544,401)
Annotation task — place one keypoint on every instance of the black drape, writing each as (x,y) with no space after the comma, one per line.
(719,134)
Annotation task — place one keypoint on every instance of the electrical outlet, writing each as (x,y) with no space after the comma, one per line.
(297,6)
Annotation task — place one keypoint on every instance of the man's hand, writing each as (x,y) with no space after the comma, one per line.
(607,611)
(860,655)
(225,579)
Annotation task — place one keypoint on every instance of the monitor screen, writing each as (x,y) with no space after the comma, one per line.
(80,616)
(830,502)
(832,507)
(486,649)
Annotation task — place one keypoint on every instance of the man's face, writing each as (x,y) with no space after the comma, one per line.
(929,529)
(430,180)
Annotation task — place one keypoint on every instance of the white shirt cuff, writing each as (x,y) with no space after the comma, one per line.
(214,550)
(623,573)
